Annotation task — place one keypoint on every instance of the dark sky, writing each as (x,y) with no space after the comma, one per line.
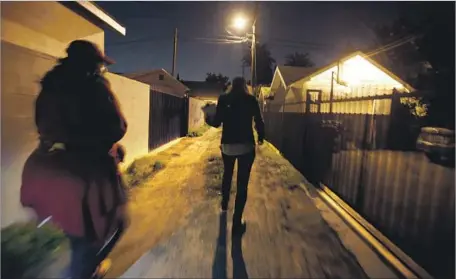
(285,27)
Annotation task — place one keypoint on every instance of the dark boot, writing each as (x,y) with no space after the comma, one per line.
(239,225)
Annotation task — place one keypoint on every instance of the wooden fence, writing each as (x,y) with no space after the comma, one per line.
(167,119)
(370,161)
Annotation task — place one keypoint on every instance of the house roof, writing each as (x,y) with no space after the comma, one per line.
(204,89)
(95,14)
(169,84)
(360,53)
(291,74)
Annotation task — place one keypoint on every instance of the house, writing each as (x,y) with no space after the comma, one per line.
(203,90)
(160,80)
(284,79)
(354,76)
(168,106)
(33,36)
(356,94)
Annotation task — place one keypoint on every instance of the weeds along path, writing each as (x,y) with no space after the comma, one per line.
(158,205)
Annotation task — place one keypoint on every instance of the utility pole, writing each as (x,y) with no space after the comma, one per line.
(253,64)
(174,53)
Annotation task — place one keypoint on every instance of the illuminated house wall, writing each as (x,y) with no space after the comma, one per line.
(354,77)
(358,78)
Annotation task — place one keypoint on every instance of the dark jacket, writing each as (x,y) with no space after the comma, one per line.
(79,187)
(236,112)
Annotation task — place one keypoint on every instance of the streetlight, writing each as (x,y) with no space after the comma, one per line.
(240,24)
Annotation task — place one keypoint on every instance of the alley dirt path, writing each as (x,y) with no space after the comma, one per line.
(159,206)
(286,235)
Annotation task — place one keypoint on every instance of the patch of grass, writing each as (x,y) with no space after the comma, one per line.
(144,169)
(213,174)
(26,248)
(273,159)
(198,132)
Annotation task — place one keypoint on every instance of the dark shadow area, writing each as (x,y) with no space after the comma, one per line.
(239,270)
(219,263)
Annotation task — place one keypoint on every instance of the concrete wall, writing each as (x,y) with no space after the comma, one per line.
(46,27)
(195,114)
(134,99)
(21,71)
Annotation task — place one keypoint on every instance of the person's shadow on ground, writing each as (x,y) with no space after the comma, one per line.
(220,259)
(219,264)
(239,270)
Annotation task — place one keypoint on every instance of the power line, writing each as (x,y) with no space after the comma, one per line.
(392,45)
(140,40)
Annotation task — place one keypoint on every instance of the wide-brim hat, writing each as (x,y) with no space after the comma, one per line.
(82,49)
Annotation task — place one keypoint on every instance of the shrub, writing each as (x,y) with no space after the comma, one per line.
(198,132)
(26,248)
(141,170)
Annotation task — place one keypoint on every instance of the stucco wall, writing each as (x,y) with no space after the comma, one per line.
(195,114)
(21,71)
(134,99)
(46,27)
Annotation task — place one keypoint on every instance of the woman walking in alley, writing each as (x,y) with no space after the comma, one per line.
(236,111)
(72,178)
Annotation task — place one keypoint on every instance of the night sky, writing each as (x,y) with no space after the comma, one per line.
(320,28)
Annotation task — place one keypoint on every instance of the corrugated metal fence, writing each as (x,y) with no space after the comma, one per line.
(370,161)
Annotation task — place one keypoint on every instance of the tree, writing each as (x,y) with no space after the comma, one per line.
(427,61)
(218,78)
(265,63)
(298,59)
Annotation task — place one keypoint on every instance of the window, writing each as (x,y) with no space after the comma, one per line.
(161,77)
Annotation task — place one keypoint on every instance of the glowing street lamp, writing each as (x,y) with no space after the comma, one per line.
(240,23)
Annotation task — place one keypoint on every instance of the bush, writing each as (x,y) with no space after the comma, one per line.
(141,170)
(25,248)
(198,132)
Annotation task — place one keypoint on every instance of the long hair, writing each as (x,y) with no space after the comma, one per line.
(239,86)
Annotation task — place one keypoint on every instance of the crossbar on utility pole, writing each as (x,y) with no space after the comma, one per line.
(174,53)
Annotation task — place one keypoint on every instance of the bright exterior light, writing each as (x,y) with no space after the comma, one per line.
(357,71)
(239,23)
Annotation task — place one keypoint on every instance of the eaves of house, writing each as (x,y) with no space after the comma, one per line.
(363,55)
(48,27)
(93,13)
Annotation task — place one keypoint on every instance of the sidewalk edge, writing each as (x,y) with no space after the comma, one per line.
(387,250)
(382,246)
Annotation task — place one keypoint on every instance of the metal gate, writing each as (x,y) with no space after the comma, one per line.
(167,118)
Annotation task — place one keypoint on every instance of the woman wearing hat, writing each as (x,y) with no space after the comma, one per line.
(72,177)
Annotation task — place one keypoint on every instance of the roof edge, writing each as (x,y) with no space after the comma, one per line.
(277,71)
(362,54)
(102,15)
